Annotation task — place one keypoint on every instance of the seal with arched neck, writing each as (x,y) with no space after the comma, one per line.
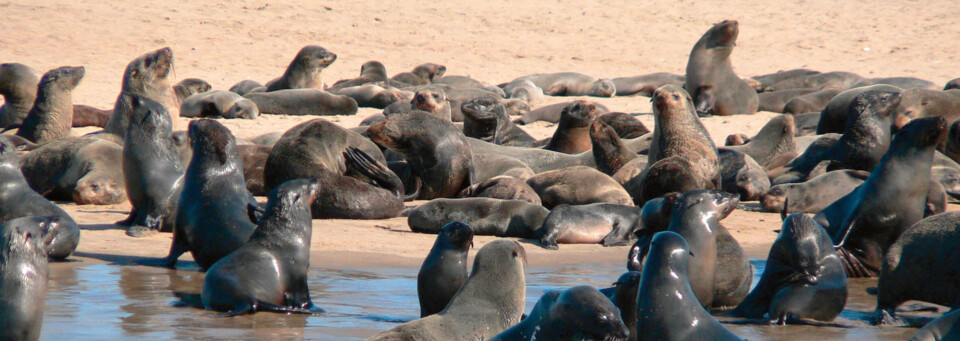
(578,313)
(269,272)
(18,85)
(573,132)
(489,302)
(667,307)
(52,113)
(609,151)
(715,88)
(147,76)
(305,70)
(23,280)
(445,269)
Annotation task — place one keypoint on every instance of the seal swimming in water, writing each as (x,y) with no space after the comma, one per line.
(578,313)
(710,80)
(23,280)
(489,302)
(305,70)
(445,269)
(667,308)
(52,113)
(269,272)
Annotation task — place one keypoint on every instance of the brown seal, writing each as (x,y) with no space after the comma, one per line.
(219,103)
(445,269)
(421,75)
(836,79)
(811,102)
(87,116)
(900,82)
(370,72)
(645,85)
(572,84)
(952,84)
(374,95)
(52,113)
(18,85)
(551,113)
(502,187)
(577,185)
(742,175)
(815,194)
(147,76)
(245,86)
(928,103)
(303,102)
(710,80)
(189,87)
(774,139)
(305,70)
(524,90)
(580,312)
(609,151)
(573,131)
(774,101)
(23,280)
(485,118)
(603,223)
(835,117)
(430,100)
(763,81)
(627,126)
(487,216)
(84,170)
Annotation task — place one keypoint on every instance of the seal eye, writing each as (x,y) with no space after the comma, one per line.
(514,253)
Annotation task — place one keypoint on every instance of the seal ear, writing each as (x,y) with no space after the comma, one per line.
(783,211)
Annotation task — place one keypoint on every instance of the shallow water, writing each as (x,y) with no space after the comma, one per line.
(110,302)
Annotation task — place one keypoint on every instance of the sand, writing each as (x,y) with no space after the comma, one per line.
(225,42)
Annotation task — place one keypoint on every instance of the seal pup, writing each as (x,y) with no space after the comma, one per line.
(219,103)
(607,224)
(578,313)
(445,269)
(269,272)
(667,308)
(803,278)
(572,135)
(645,85)
(18,85)
(84,170)
(864,223)
(572,84)
(245,86)
(305,70)
(577,185)
(486,216)
(147,76)
(52,114)
(502,187)
(189,87)
(18,200)
(742,175)
(710,80)
(215,210)
(23,280)
(524,90)
(489,302)
(152,172)
(421,75)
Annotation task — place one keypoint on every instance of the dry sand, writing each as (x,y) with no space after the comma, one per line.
(225,42)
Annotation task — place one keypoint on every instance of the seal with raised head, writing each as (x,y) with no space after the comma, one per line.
(445,269)
(421,75)
(84,170)
(305,70)
(269,272)
(803,277)
(645,85)
(608,149)
(429,100)
(572,135)
(52,113)
(486,216)
(774,140)
(606,224)
(219,103)
(842,110)
(667,306)
(152,171)
(23,280)
(623,294)
(551,113)
(577,185)
(489,302)
(485,118)
(189,87)
(370,72)
(147,76)
(710,80)
(572,84)
(18,85)
(215,211)
(864,223)
(502,187)
(300,102)
(578,313)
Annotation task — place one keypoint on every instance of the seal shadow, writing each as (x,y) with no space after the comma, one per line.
(123,260)
(102,227)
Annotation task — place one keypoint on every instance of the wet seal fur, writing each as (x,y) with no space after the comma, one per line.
(23,280)
(578,313)
(445,269)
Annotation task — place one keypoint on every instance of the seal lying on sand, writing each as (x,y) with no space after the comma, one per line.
(487,217)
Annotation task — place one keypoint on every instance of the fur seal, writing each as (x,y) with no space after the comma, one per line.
(219,103)
(710,80)
(374,95)
(23,280)
(487,217)
(900,82)
(811,102)
(623,294)
(627,126)
(354,182)
(606,224)
(189,87)
(577,185)
(421,75)
(489,302)
(524,90)
(864,223)
(245,86)
(485,118)
(498,165)
(370,72)
(645,85)
(269,272)
(84,170)
(87,116)
(538,160)
(305,101)
(18,85)
(445,269)
(502,187)
(305,70)
(460,82)
(147,76)
(551,113)
(841,111)
(609,151)
(943,328)
(667,306)
(572,84)
(775,101)
(655,217)
(153,175)
(437,152)
(835,79)
(813,195)
(578,313)
(433,101)
(572,135)
(254,159)
(952,84)
(803,277)
(52,114)
(763,81)
(928,103)
(742,175)
(775,139)
(215,210)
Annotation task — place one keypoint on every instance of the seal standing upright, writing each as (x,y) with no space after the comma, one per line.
(445,269)
(23,280)
(578,313)
(18,85)
(573,132)
(52,113)
(147,76)
(305,71)
(716,90)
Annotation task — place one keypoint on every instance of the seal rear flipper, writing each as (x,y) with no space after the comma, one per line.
(242,309)
(620,235)
(362,166)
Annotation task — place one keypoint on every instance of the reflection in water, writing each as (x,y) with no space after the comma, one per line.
(103,301)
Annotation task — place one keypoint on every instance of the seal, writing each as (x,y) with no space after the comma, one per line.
(645,85)
(608,149)
(421,75)
(219,103)
(374,95)
(623,294)
(498,165)
(836,116)
(810,102)
(305,70)
(489,302)
(269,272)
(52,114)
(300,102)
(147,76)
(354,182)
(667,308)
(952,146)
(445,269)
(763,81)
(438,153)
(928,103)
(943,328)
(87,116)
(836,79)
(485,118)
(23,280)
(572,84)
(18,85)
(524,90)
(900,82)
(502,187)
(952,84)
(245,86)
(433,101)
(627,126)
(572,135)
(742,175)
(577,185)
(606,224)
(863,224)
(551,113)
(578,313)
(85,170)
(189,87)
(775,101)
(710,79)
(909,270)
(153,175)
(813,195)
(215,210)
(803,277)
(370,72)
(254,158)
(775,139)
(655,217)
(487,217)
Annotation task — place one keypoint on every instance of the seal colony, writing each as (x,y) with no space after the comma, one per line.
(601,178)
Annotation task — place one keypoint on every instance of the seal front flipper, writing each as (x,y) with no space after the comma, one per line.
(364,167)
